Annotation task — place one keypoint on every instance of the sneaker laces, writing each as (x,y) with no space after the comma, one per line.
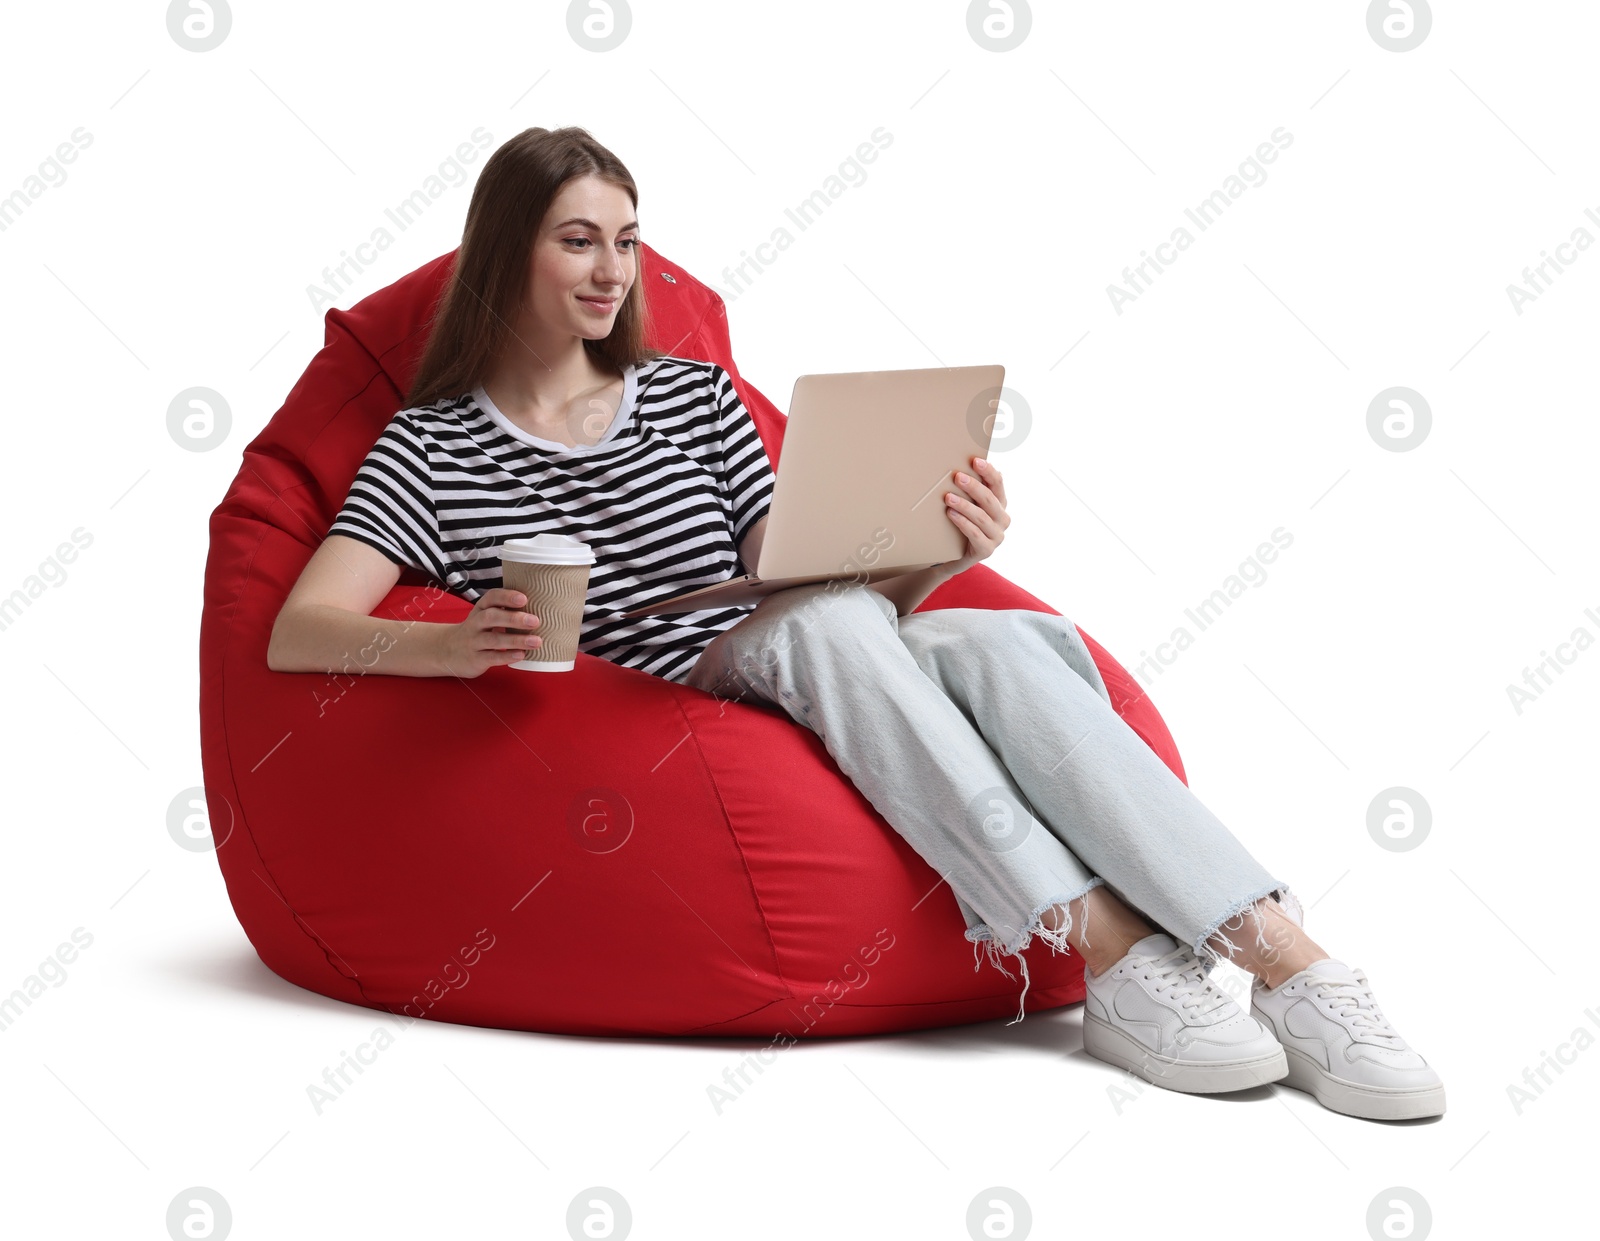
(1182,972)
(1354,1005)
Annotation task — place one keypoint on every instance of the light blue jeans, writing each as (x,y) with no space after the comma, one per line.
(987,739)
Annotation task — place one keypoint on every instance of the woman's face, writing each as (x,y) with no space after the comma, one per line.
(587,248)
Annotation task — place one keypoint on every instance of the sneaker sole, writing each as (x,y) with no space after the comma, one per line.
(1105,1042)
(1356,1099)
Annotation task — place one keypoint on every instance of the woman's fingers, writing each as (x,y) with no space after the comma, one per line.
(501,640)
(976,531)
(988,494)
(990,475)
(977,492)
(978,509)
(502,608)
(981,511)
(501,598)
(981,541)
(510,618)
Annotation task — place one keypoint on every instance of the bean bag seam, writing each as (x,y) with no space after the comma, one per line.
(378,373)
(695,330)
(713,299)
(917,1005)
(722,1021)
(744,862)
(286,455)
(972,999)
(242,820)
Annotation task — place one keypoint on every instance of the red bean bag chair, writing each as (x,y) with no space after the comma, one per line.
(601,852)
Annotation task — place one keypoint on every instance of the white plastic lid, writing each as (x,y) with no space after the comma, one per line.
(547,549)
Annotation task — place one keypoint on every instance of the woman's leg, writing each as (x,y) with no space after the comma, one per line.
(1027,683)
(915,733)
(898,717)
(829,655)
(1280,951)
(1116,927)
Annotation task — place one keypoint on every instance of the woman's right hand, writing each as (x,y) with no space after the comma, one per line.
(481,641)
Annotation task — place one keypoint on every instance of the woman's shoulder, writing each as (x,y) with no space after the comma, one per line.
(419,429)
(673,381)
(434,417)
(676,365)
(445,405)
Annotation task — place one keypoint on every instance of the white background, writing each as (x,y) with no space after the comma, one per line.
(1167,441)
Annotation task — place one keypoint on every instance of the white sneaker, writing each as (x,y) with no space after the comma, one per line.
(1155,1014)
(1341,1048)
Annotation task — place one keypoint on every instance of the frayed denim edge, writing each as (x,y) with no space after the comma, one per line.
(1285,897)
(1057,939)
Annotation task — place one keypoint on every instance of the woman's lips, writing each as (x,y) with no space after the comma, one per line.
(597,305)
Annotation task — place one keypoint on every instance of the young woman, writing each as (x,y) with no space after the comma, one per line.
(536,407)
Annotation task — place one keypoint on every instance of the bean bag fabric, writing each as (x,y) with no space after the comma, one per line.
(603,852)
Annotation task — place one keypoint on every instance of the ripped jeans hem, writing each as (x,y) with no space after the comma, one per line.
(1209,956)
(1056,938)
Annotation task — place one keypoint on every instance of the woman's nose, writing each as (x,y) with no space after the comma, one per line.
(608,269)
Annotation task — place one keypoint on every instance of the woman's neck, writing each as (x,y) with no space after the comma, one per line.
(548,392)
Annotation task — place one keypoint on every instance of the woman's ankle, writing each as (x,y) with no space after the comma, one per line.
(1287,950)
(1281,968)
(1116,927)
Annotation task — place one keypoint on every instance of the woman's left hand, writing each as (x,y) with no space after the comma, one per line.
(979,513)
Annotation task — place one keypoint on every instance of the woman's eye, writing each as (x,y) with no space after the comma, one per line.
(626,241)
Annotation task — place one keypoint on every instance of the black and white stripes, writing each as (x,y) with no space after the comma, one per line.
(679,476)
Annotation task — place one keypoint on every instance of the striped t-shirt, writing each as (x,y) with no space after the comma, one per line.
(662,499)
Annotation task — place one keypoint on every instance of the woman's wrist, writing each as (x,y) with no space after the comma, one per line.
(908,590)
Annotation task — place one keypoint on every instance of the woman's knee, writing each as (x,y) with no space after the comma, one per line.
(1032,624)
(944,639)
(985,628)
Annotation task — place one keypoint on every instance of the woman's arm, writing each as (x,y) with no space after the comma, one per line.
(750,548)
(908,590)
(325,626)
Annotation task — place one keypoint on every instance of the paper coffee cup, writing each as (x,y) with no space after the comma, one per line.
(552,570)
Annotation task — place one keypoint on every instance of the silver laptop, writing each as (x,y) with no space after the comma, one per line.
(859,492)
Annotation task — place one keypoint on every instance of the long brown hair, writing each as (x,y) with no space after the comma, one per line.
(472,320)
